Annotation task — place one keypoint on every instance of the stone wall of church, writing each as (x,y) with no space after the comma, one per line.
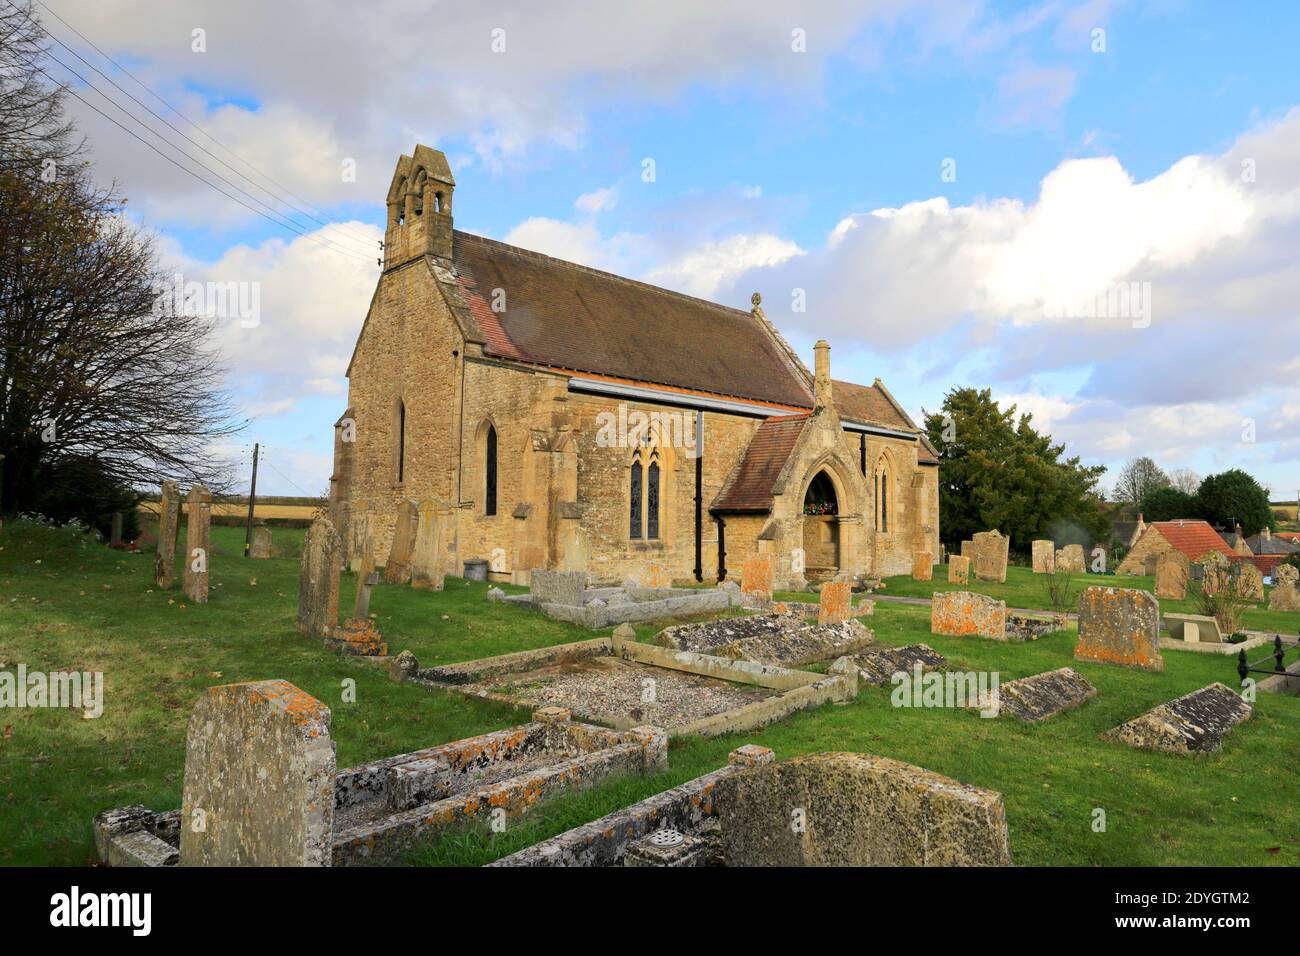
(404,354)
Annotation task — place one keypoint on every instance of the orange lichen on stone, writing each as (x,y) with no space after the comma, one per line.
(834,605)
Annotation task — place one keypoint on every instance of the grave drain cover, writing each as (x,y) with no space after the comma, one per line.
(666,838)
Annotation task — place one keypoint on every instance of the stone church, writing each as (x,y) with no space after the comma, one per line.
(548,415)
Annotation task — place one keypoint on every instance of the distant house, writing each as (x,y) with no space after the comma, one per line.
(1270,550)
(1238,543)
(1191,537)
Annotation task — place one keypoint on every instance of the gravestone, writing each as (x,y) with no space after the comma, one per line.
(962,613)
(1214,571)
(1071,558)
(922,566)
(359,542)
(657,576)
(834,603)
(1284,596)
(164,561)
(558,587)
(878,665)
(261,545)
(198,516)
(1171,576)
(397,569)
(1193,628)
(1044,556)
(318,580)
(989,556)
(1250,581)
(852,809)
(968,548)
(756,577)
(115,530)
(1194,723)
(577,551)
(1119,626)
(958,569)
(426,561)
(259,778)
(367,577)
(1040,696)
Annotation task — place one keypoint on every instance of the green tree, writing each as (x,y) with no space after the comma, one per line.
(1233,496)
(1169,504)
(996,471)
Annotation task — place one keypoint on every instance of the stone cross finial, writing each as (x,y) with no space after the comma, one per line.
(822,374)
(756,300)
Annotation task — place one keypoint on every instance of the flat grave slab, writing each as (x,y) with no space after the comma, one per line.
(1194,723)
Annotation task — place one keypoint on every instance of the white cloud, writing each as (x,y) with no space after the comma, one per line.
(705,269)
(598,200)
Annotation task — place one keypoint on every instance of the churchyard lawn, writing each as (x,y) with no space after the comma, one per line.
(66,607)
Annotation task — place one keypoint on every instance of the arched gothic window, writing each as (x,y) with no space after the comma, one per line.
(490,471)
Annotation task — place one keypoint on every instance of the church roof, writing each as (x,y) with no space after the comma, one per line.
(568,316)
(749,486)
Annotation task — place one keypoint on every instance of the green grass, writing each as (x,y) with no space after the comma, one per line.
(57,770)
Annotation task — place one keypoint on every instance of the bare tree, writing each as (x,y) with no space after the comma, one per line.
(99,372)
(1185,480)
(1137,478)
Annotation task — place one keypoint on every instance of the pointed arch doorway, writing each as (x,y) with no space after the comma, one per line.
(821,529)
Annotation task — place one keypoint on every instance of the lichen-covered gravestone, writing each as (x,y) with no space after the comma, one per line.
(1284,596)
(756,577)
(1194,723)
(1071,558)
(557,587)
(961,613)
(261,544)
(1119,626)
(1250,581)
(397,569)
(958,569)
(1171,576)
(851,809)
(989,555)
(318,580)
(835,603)
(164,574)
(259,778)
(1044,556)
(198,516)
(922,566)
(1041,696)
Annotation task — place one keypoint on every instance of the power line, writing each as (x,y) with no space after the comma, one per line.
(282,222)
(346,233)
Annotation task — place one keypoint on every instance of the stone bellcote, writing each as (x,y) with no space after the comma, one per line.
(419,209)
(821,375)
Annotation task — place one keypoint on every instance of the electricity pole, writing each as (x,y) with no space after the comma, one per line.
(252,499)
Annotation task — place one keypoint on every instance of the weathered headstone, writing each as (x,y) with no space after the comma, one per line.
(989,556)
(261,544)
(1284,596)
(657,576)
(968,548)
(1044,556)
(1214,571)
(834,603)
(318,580)
(198,516)
(878,665)
(1071,558)
(426,559)
(962,613)
(1045,695)
(1250,582)
(1119,626)
(1171,576)
(922,566)
(850,809)
(397,569)
(1194,723)
(958,569)
(115,530)
(259,778)
(756,577)
(558,587)
(367,578)
(168,522)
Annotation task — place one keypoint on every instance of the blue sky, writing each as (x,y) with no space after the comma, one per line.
(1083,160)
